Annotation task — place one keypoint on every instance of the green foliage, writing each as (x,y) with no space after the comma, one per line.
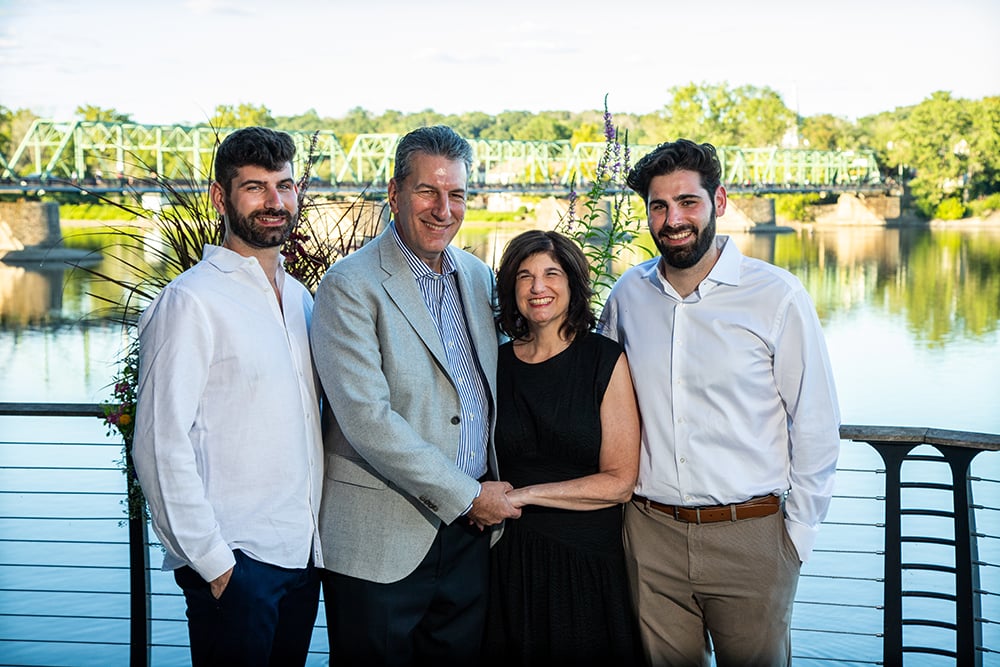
(244,115)
(482,215)
(726,116)
(586,133)
(14,126)
(182,228)
(826,132)
(606,226)
(942,147)
(94,114)
(985,206)
(796,206)
(951,208)
(93,212)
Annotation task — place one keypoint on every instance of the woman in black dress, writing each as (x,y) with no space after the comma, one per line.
(567,439)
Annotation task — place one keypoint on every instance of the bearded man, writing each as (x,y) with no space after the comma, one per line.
(740,426)
(228,446)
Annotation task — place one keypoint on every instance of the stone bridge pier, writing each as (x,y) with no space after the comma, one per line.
(30,231)
(860,209)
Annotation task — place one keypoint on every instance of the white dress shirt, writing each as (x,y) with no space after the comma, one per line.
(228,446)
(734,386)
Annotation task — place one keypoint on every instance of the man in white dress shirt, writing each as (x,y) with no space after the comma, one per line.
(228,446)
(740,426)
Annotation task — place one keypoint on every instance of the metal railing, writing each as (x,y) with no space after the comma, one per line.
(907,563)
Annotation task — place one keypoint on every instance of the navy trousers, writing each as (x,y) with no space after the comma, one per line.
(433,616)
(264,618)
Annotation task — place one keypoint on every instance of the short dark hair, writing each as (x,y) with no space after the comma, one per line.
(671,156)
(258,146)
(438,140)
(570,257)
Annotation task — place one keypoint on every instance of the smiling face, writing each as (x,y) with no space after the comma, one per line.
(261,208)
(541,290)
(682,218)
(428,206)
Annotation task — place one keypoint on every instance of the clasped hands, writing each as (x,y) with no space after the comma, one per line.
(493,506)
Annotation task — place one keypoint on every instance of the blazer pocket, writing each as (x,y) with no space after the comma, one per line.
(353,471)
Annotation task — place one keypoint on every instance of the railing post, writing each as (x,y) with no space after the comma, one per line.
(893,456)
(968,628)
(139,594)
(957,449)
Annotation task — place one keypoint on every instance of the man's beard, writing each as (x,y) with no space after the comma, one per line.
(687,256)
(256,235)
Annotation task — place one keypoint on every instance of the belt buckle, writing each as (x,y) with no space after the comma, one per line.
(697,515)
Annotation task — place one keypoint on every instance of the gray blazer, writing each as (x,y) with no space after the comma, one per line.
(392,411)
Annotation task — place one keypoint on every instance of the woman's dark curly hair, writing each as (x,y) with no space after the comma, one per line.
(579,318)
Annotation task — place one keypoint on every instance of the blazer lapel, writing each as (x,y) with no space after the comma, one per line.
(401,286)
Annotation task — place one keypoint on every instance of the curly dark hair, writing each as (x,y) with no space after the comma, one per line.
(257,146)
(668,157)
(580,317)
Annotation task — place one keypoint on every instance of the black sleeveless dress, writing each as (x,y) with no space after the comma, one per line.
(558,589)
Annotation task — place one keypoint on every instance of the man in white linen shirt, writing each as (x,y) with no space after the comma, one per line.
(228,446)
(740,426)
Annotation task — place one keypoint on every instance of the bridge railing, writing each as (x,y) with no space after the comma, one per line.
(77,578)
(88,152)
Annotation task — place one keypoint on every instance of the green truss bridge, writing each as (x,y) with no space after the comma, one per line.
(63,156)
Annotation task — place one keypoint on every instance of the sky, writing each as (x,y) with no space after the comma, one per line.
(173,62)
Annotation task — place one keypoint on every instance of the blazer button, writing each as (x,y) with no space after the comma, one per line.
(455,419)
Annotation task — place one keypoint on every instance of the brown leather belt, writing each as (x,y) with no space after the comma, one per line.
(751,509)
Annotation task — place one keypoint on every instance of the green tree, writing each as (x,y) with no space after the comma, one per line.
(357,121)
(826,132)
(726,116)
(6,122)
(470,125)
(984,147)
(541,128)
(245,115)
(650,129)
(305,122)
(761,117)
(587,133)
(935,140)
(94,114)
(503,125)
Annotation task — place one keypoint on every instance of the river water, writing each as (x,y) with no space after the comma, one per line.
(911,317)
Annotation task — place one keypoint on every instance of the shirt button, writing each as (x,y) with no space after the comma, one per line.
(683,460)
(455,419)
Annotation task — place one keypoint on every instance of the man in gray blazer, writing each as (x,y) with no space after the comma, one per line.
(405,345)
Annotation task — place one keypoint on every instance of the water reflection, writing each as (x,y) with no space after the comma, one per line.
(944,283)
(29,296)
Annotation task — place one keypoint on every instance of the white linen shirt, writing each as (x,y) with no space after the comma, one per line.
(227,446)
(734,387)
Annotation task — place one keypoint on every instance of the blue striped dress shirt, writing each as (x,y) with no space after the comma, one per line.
(440,294)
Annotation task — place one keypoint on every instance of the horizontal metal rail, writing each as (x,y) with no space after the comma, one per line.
(851,592)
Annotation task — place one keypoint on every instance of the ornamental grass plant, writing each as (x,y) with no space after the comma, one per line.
(178,220)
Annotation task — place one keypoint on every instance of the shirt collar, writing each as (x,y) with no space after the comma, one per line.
(726,269)
(228,261)
(417,265)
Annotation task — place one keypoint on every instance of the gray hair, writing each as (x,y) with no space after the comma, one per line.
(438,140)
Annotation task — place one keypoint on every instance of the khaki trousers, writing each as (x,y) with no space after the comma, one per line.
(727,585)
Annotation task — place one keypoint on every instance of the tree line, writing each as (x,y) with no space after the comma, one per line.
(946,150)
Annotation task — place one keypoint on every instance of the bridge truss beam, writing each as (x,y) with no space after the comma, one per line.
(87,151)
